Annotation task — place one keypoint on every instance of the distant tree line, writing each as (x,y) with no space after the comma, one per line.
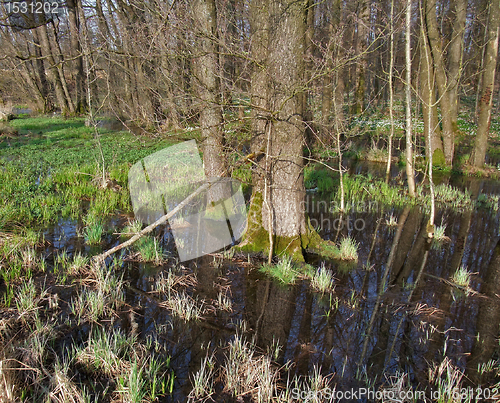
(141,58)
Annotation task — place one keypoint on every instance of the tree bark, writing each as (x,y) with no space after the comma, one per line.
(455,54)
(409,146)
(76,50)
(441,80)
(363,24)
(206,72)
(429,106)
(488,82)
(276,208)
(286,64)
(51,69)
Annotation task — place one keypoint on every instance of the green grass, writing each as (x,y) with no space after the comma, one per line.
(149,249)
(104,351)
(184,307)
(348,249)
(439,233)
(284,271)
(461,277)
(93,233)
(322,280)
(26,297)
(391,220)
(318,177)
(46,176)
(202,380)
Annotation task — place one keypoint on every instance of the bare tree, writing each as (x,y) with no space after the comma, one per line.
(487,85)
(409,145)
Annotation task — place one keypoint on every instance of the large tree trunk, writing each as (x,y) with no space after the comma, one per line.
(51,69)
(277,208)
(455,53)
(441,80)
(286,62)
(363,24)
(76,54)
(206,72)
(488,82)
(427,93)
(259,25)
(409,146)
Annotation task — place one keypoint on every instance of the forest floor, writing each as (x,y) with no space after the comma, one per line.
(148,328)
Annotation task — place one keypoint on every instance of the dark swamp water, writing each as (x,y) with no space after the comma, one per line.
(358,335)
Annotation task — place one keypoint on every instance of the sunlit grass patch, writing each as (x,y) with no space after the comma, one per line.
(224,302)
(322,281)
(439,233)
(313,384)
(27,298)
(78,263)
(140,371)
(348,249)
(92,304)
(149,249)
(452,197)
(284,271)
(245,372)
(461,277)
(440,237)
(377,154)
(489,201)
(62,387)
(93,233)
(184,307)
(132,228)
(203,380)
(104,351)
(391,220)
(446,380)
(89,305)
(51,172)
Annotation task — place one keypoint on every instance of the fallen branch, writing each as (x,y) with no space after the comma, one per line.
(100,258)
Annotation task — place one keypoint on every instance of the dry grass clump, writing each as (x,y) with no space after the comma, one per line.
(7,378)
(140,376)
(246,373)
(446,380)
(203,380)
(108,293)
(184,307)
(63,389)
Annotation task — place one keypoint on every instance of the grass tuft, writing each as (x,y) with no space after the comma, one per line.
(322,280)
(461,277)
(348,249)
(184,307)
(284,271)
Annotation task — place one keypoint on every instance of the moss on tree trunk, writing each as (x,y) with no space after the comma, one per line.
(256,239)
